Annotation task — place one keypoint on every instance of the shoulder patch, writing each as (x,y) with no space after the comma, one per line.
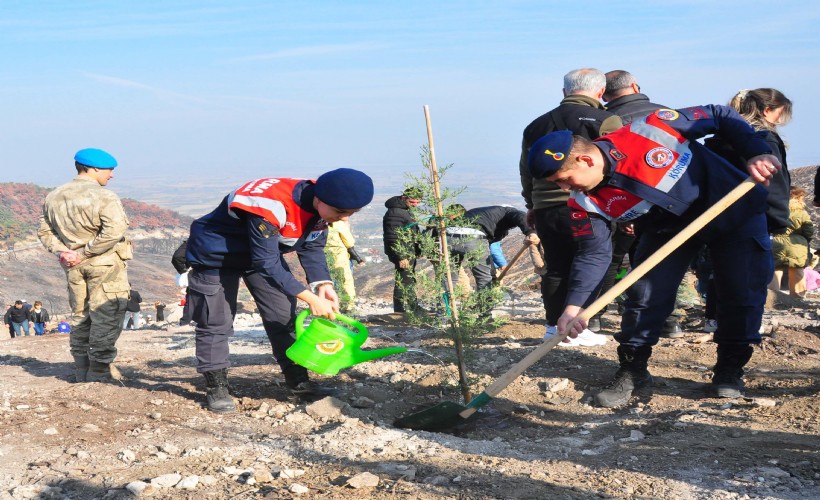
(659,157)
(267,230)
(667,114)
(581,225)
(616,155)
(696,113)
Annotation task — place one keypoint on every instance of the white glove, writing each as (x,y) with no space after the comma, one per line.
(182,280)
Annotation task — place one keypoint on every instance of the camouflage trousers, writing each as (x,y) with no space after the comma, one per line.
(98,294)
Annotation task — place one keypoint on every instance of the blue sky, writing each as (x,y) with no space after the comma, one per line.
(244,89)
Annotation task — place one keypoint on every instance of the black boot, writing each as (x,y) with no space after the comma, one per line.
(671,328)
(219,399)
(81,364)
(301,387)
(727,381)
(98,372)
(632,375)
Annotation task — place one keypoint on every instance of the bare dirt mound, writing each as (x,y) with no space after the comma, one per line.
(540,439)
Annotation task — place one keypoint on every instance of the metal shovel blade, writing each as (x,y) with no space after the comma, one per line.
(441,416)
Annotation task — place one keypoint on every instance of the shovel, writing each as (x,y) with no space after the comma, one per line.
(512,262)
(448,414)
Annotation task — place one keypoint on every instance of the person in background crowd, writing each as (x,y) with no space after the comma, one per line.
(624,98)
(160,307)
(792,249)
(765,109)
(84,224)
(245,237)
(27,308)
(39,317)
(399,218)
(182,268)
(341,253)
(582,113)
(18,318)
(493,225)
(133,319)
(7,320)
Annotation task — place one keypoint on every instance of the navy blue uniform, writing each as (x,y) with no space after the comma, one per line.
(245,237)
(659,177)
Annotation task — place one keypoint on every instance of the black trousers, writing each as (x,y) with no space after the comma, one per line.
(404,290)
(212,296)
(553,228)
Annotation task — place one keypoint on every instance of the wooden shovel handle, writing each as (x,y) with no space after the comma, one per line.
(512,261)
(696,225)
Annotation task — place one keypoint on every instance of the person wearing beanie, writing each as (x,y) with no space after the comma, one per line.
(84,225)
(246,237)
(654,173)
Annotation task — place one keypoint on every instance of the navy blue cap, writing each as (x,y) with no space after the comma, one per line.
(95,158)
(548,153)
(345,188)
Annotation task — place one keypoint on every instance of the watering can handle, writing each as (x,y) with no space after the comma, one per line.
(299,324)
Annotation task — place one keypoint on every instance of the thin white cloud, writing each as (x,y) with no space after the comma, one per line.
(159,92)
(312,51)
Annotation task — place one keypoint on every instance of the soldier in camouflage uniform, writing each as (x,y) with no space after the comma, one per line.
(84,225)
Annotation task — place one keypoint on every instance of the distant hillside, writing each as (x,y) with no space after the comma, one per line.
(21,206)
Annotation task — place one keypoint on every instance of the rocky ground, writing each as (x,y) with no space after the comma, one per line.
(150,435)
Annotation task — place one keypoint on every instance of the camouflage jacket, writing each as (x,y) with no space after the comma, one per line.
(84,216)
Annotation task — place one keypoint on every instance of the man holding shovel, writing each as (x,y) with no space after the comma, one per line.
(655,174)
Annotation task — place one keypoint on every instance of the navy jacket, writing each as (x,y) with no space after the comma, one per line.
(242,240)
(696,180)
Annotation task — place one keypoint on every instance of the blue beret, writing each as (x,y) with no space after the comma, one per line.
(95,158)
(548,153)
(345,188)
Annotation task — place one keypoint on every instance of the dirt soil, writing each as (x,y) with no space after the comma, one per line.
(150,435)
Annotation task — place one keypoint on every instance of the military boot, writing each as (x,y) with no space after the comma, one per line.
(217,390)
(80,368)
(301,388)
(727,381)
(631,376)
(98,372)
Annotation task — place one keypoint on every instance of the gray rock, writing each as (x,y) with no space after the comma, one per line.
(291,473)
(363,480)
(188,483)
(298,489)
(170,449)
(363,402)
(138,488)
(166,480)
(126,456)
(262,476)
(327,408)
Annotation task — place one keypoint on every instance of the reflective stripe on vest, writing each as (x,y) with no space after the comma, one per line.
(651,143)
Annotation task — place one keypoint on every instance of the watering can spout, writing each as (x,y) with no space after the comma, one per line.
(360,355)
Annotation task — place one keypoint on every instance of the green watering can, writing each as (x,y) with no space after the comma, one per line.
(325,347)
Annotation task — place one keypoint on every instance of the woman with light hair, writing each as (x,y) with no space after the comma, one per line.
(765,109)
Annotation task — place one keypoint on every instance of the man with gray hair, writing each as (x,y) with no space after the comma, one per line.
(582,113)
(623,97)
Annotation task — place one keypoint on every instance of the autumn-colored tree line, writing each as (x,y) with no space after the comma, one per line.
(21,206)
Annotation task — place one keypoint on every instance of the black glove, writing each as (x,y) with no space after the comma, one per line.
(354,255)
